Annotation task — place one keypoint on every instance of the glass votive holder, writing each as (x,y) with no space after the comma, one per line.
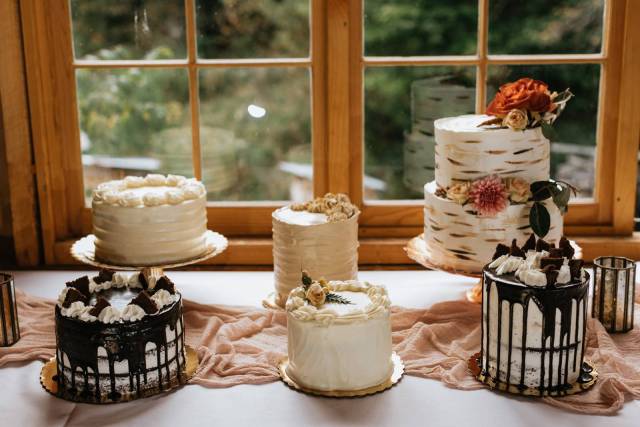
(9,328)
(614,280)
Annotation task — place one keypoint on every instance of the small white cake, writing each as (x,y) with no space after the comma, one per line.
(336,346)
(153,220)
(320,237)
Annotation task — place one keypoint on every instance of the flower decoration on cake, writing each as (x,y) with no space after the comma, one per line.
(527,103)
(488,196)
(337,207)
(317,293)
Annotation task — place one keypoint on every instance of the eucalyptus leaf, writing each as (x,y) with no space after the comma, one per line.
(548,131)
(542,190)
(561,198)
(539,219)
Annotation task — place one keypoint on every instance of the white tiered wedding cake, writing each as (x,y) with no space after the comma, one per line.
(491,176)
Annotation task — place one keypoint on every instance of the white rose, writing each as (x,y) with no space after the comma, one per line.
(316,294)
(459,193)
(516,120)
(519,190)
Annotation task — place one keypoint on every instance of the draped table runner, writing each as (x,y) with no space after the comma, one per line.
(243,345)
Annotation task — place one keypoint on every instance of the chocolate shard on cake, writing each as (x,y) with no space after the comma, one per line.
(74,295)
(143,281)
(144,301)
(101,304)
(552,275)
(530,244)
(575,267)
(542,245)
(567,249)
(81,284)
(556,253)
(514,250)
(105,275)
(555,262)
(501,249)
(165,283)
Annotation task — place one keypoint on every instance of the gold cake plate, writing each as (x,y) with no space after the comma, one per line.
(396,375)
(588,369)
(84,250)
(418,251)
(49,383)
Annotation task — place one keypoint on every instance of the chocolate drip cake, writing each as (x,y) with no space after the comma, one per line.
(534,304)
(119,337)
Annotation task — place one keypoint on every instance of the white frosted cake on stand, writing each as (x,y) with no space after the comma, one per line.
(149,221)
(320,236)
(339,336)
(460,235)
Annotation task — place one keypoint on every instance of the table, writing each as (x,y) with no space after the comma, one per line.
(414,401)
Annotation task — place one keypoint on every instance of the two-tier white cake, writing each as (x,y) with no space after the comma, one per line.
(150,220)
(460,235)
(339,336)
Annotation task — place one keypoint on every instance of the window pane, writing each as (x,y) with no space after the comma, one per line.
(400,106)
(572,155)
(128,29)
(545,26)
(424,27)
(133,122)
(253,29)
(256,134)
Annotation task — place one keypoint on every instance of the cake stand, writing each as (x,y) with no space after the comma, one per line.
(418,251)
(83,250)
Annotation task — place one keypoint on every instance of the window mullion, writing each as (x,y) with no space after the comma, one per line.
(481,70)
(194,99)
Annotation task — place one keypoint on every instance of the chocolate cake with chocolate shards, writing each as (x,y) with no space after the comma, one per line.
(534,305)
(118,337)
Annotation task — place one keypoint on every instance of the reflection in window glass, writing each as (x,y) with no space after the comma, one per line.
(252,29)
(128,29)
(423,27)
(572,155)
(255,131)
(545,26)
(133,122)
(401,104)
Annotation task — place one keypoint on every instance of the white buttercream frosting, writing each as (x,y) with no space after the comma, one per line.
(110,314)
(132,312)
(532,277)
(162,298)
(564,274)
(75,309)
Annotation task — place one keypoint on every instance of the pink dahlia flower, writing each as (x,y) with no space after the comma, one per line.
(488,195)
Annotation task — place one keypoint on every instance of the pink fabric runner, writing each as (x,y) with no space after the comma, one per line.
(243,345)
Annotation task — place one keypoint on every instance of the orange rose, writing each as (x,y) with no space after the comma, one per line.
(524,94)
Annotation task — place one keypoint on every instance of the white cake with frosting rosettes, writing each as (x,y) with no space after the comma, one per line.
(339,335)
(320,236)
(153,220)
(470,159)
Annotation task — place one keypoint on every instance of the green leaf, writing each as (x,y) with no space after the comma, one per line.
(542,190)
(336,299)
(306,280)
(539,219)
(561,198)
(548,131)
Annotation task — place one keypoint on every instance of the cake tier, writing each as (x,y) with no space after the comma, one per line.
(459,239)
(148,224)
(533,337)
(115,362)
(465,152)
(340,346)
(306,241)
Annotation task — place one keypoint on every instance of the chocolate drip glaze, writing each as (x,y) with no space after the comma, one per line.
(79,342)
(548,300)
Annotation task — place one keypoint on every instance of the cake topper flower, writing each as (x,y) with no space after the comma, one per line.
(525,104)
(489,196)
(319,292)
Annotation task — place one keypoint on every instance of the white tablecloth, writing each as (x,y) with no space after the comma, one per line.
(414,401)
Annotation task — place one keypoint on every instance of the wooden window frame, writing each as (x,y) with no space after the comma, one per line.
(336,62)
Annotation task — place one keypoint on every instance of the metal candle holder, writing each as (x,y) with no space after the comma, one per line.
(9,328)
(614,280)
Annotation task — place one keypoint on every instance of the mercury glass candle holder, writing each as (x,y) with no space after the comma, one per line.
(614,281)
(9,328)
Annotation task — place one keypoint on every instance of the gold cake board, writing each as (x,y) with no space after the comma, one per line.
(394,378)
(49,372)
(577,387)
(84,250)
(418,251)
